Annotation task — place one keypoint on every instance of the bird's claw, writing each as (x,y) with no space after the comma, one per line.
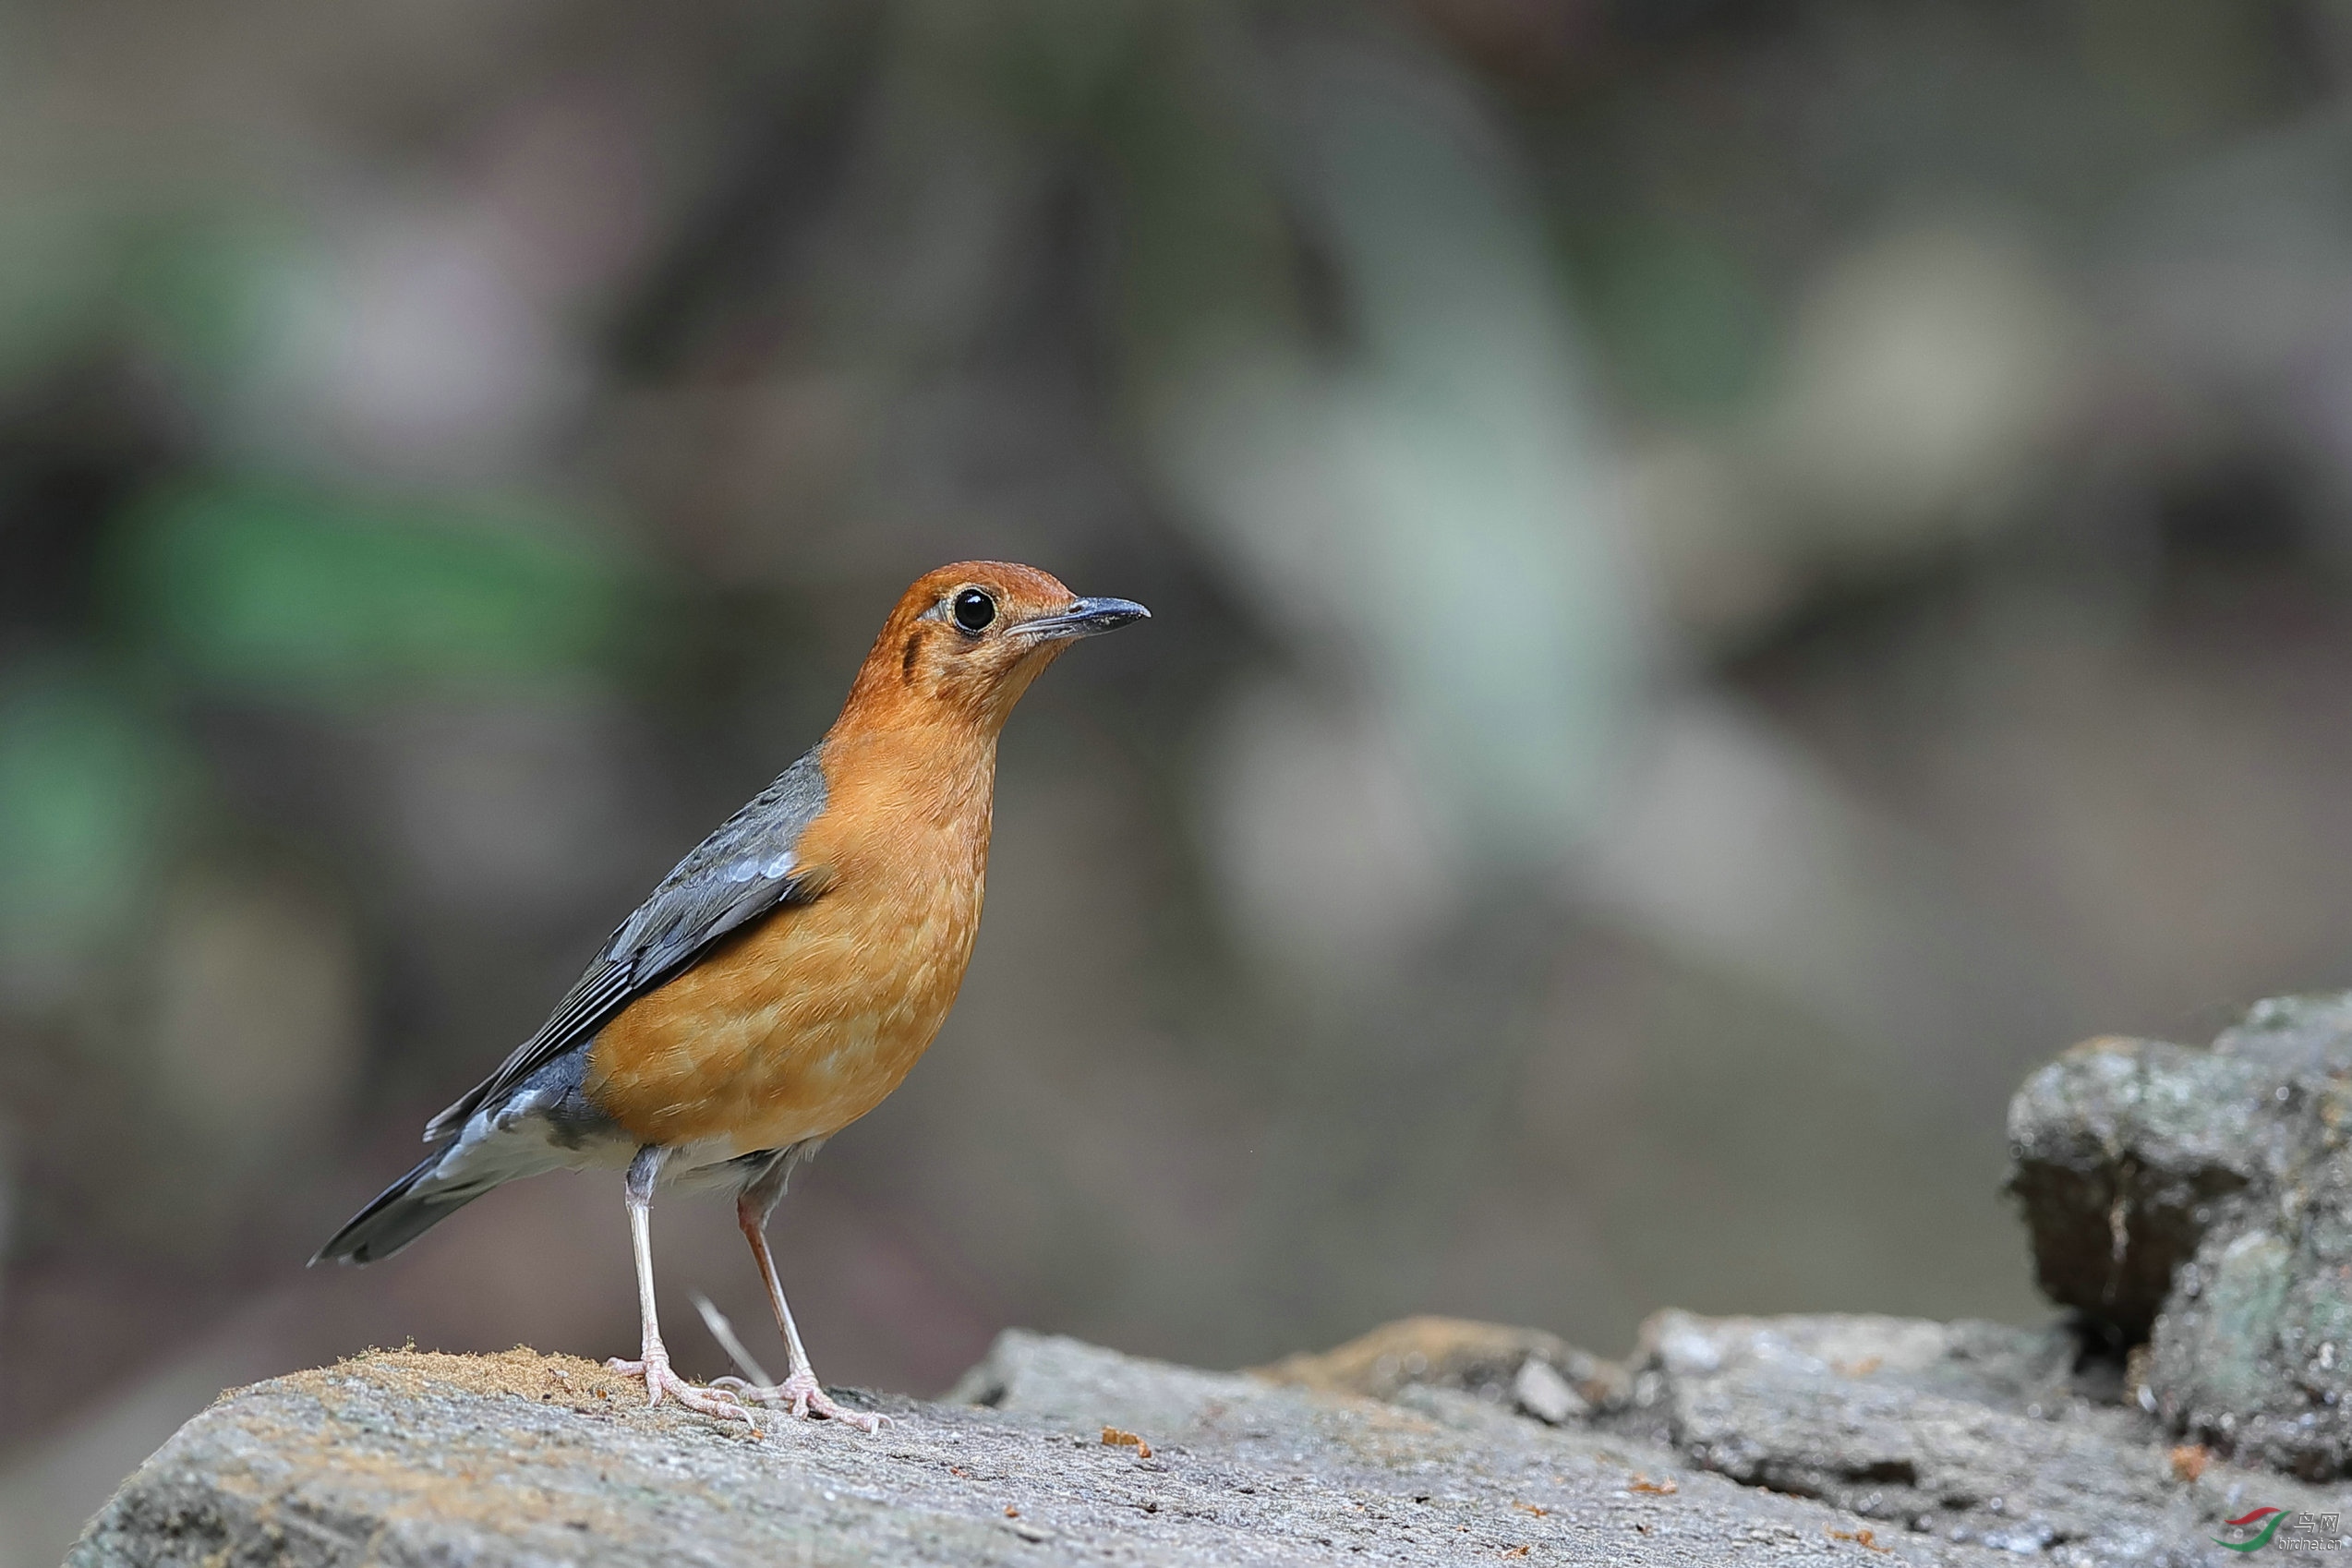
(801,1395)
(659,1380)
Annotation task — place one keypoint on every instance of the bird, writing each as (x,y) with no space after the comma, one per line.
(784,978)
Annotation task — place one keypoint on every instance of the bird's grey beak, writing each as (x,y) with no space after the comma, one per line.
(1087,617)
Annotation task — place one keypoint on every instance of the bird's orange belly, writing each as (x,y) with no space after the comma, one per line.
(789,1032)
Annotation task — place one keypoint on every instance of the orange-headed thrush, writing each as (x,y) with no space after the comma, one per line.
(784,978)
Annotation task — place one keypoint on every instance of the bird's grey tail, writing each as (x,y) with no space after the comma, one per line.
(401,1214)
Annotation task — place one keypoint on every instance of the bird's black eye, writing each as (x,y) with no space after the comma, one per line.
(975,612)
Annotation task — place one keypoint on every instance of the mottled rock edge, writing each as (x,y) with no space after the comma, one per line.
(2194,1207)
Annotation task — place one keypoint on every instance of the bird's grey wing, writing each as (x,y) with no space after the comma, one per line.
(748,867)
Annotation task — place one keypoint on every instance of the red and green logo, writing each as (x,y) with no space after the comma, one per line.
(2269,1519)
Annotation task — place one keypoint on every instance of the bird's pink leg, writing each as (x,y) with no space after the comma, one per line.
(798,1392)
(652,1365)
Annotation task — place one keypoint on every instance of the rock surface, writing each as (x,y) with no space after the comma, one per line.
(1969,1433)
(2190,1206)
(1079,1455)
(2199,1200)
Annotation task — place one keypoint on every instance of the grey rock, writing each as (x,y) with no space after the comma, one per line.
(406,1459)
(1545,1394)
(1966,1432)
(2199,1200)
(2194,1199)
(2124,1153)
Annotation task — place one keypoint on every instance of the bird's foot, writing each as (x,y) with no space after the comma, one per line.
(799,1394)
(659,1380)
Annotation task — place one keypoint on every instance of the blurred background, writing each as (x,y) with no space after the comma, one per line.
(1730,575)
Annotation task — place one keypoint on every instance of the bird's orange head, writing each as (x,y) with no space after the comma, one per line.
(965,642)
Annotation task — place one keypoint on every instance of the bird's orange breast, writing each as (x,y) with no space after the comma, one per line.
(800,1025)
